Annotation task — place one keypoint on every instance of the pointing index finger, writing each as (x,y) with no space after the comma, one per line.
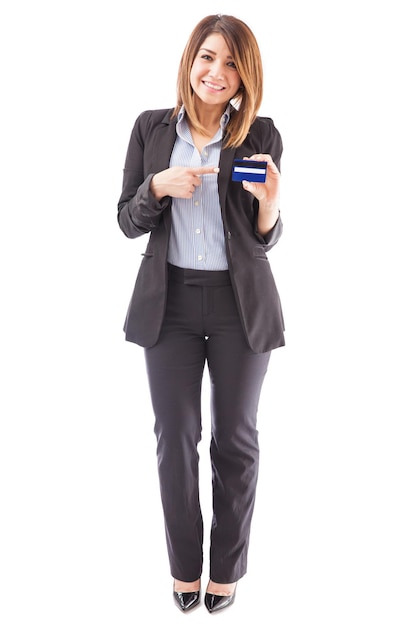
(209,169)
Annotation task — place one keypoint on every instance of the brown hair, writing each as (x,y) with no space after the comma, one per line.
(247,58)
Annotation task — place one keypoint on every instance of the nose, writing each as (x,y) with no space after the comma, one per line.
(216,69)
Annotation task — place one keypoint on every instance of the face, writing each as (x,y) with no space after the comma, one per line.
(214,76)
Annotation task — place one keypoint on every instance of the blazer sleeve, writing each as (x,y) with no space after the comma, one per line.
(273,236)
(271,143)
(138,210)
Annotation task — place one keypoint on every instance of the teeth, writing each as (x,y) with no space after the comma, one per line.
(212,86)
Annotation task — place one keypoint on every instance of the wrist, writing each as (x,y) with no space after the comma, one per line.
(153,187)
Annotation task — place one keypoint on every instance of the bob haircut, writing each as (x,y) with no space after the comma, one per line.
(247,58)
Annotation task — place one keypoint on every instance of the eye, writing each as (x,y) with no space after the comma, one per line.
(207,57)
(232,65)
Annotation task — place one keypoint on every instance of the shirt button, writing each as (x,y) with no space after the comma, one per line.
(196,203)
(197,231)
(199,258)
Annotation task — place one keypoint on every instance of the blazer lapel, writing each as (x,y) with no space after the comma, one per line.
(225,173)
(163,140)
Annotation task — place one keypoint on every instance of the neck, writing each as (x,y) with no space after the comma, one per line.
(209,117)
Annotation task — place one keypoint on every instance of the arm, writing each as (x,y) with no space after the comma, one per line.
(268,224)
(142,212)
(146,195)
(139,212)
(267,194)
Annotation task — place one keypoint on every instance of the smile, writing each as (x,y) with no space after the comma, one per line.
(213,86)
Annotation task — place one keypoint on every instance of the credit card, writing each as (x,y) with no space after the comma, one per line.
(253,171)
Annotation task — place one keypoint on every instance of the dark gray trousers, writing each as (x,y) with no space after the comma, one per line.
(202,326)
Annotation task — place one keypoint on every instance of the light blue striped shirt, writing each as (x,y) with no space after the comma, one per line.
(197,234)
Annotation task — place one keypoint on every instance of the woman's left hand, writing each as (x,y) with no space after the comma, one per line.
(267,194)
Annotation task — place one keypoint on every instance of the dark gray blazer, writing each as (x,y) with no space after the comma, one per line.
(258,301)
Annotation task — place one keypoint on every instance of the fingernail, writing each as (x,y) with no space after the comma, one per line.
(216,169)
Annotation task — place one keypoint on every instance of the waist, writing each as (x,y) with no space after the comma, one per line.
(202,278)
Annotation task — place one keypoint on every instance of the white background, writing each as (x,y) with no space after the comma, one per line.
(334,537)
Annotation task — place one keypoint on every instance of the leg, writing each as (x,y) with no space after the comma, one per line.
(175,368)
(236,375)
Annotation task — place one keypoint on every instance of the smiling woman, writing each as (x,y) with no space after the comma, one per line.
(241,57)
(214,75)
(205,293)
(214,80)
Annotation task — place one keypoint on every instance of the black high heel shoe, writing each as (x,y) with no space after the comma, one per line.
(216,603)
(186,600)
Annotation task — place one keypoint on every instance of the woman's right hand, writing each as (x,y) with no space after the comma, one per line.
(179,182)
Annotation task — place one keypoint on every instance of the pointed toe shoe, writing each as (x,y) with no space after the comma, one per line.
(186,600)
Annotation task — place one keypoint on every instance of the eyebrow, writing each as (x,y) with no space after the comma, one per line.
(212,52)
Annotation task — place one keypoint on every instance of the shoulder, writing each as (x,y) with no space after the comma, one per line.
(148,121)
(153,117)
(264,137)
(264,125)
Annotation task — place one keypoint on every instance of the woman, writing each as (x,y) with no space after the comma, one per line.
(205,293)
